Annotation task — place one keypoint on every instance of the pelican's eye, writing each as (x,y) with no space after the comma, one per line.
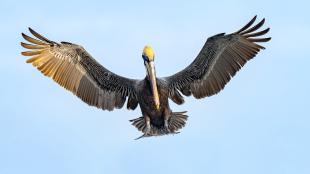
(145,58)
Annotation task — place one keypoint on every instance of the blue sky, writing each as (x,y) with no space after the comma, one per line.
(258,124)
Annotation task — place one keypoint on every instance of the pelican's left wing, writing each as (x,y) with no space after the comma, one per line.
(72,67)
(218,61)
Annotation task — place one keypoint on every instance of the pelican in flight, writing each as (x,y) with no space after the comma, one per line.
(72,67)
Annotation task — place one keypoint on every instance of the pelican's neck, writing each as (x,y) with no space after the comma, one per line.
(151,76)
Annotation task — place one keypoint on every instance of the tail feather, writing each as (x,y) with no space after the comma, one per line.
(139,123)
(176,121)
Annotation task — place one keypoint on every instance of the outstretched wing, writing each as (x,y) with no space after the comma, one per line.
(218,61)
(72,67)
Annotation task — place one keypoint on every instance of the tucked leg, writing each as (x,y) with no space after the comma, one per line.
(148,125)
(167,115)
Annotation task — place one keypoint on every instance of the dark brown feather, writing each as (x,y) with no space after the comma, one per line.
(37,35)
(247,25)
(257,34)
(257,26)
(218,61)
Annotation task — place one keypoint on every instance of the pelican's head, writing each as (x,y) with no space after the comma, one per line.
(148,54)
(148,57)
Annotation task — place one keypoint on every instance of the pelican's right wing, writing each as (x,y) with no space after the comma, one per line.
(72,67)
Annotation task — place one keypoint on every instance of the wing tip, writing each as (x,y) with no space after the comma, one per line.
(253,19)
(250,33)
(24,53)
(32,31)
(24,35)
(245,27)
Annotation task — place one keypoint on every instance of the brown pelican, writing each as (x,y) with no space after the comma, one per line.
(72,67)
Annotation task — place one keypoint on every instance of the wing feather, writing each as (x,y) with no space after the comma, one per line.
(218,61)
(74,69)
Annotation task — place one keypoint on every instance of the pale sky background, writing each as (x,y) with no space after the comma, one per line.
(258,125)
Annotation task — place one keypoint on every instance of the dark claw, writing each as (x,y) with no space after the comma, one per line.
(142,136)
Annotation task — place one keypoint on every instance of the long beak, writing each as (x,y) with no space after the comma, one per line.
(152,76)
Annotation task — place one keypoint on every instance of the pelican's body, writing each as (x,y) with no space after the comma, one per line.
(147,104)
(73,68)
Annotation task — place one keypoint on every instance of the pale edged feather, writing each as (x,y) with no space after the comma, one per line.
(73,68)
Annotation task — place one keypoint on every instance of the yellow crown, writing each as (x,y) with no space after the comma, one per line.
(148,52)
